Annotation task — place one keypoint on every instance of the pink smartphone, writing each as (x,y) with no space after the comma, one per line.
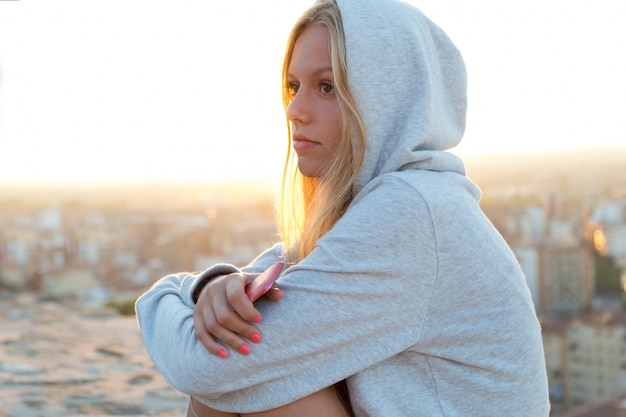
(262,284)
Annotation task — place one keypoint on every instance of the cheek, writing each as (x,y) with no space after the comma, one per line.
(334,124)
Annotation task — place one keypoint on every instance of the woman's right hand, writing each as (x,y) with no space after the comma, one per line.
(225,312)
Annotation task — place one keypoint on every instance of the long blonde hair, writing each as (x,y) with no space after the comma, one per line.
(310,207)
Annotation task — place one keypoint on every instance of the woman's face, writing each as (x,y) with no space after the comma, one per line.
(314,111)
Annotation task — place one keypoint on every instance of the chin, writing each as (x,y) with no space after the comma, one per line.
(309,172)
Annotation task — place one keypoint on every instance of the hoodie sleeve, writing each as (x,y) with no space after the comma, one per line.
(360,297)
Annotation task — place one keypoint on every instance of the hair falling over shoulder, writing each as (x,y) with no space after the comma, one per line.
(310,207)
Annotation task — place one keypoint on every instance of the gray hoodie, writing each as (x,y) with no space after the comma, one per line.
(413,296)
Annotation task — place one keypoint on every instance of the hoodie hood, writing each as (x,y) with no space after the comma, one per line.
(410,83)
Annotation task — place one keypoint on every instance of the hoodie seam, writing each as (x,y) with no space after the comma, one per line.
(435,281)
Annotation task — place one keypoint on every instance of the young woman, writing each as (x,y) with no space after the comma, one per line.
(396,281)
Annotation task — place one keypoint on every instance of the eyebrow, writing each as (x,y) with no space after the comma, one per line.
(316,72)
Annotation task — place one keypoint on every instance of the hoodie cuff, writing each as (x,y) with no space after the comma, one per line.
(213,272)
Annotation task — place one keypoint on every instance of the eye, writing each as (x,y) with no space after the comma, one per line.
(292,88)
(327,87)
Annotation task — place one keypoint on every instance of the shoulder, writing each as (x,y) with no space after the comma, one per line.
(431,189)
(443,205)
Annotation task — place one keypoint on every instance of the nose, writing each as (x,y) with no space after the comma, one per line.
(298,109)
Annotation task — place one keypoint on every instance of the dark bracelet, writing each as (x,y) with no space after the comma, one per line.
(215,271)
(199,287)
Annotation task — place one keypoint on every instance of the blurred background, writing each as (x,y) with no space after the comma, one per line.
(142,138)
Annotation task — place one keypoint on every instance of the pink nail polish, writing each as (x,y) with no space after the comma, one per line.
(257,319)
(222,354)
(244,349)
(256,338)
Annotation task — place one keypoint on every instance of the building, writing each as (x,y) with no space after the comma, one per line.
(554,336)
(566,279)
(596,357)
(614,407)
(607,228)
(560,275)
(585,360)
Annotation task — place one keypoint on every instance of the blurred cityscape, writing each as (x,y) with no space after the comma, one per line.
(563,214)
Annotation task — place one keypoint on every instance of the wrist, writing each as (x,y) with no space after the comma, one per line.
(204,278)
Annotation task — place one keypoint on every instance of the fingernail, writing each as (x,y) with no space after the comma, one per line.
(222,354)
(256,338)
(244,349)
(257,319)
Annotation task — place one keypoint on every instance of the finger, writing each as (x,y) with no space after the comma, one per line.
(219,319)
(226,324)
(230,329)
(217,326)
(240,303)
(207,340)
(275,293)
(249,276)
(233,310)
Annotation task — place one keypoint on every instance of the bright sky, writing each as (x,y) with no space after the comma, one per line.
(161,90)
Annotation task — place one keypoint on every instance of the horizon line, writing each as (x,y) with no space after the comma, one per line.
(266,181)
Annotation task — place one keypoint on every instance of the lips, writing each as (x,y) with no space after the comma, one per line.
(301,143)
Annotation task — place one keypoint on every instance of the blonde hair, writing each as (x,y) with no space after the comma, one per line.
(310,207)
